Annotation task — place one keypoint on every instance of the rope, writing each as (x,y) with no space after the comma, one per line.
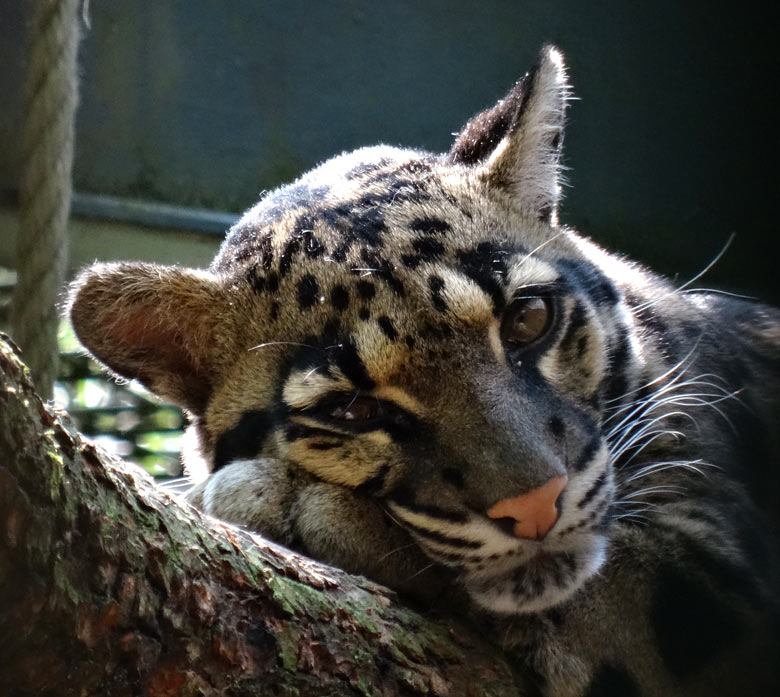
(45,185)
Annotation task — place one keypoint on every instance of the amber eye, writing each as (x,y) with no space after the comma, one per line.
(356,409)
(526,320)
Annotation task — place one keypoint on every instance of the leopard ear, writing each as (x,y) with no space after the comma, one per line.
(517,143)
(157,324)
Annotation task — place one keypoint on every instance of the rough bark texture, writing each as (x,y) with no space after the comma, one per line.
(110,587)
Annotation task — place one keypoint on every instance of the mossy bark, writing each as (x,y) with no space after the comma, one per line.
(110,587)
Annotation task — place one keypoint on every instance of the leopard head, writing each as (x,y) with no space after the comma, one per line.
(415,328)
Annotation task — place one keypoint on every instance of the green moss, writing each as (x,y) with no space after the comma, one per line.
(288,640)
(292,596)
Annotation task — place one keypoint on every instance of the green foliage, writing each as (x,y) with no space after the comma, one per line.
(121,416)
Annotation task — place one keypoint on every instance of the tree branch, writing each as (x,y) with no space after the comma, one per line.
(108,586)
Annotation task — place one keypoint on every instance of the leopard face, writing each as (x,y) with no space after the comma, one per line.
(414,330)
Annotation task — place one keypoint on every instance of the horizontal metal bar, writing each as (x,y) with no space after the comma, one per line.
(139,212)
(132,434)
(151,214)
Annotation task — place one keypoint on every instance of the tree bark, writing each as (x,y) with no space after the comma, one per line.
(108,586)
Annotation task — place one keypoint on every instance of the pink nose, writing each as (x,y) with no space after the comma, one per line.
(534,511)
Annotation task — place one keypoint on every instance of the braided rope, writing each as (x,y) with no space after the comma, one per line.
(45,186)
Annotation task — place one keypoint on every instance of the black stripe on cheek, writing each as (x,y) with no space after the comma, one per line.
(656,328)
(577,321)
(436,536)
(245,440)
(400,425)
(587,453)
(455,558)
(381,268)
(594,489)
(616,383)
(404,497)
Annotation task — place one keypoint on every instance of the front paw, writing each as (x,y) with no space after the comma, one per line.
(253,494)
(325,521)
(353,532)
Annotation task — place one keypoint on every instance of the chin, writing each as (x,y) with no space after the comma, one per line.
(545,578)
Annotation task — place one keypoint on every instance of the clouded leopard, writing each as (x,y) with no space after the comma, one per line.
(404,365)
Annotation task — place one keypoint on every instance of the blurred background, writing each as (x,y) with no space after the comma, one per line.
(189,109)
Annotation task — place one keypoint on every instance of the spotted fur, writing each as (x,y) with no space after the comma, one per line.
(353,394)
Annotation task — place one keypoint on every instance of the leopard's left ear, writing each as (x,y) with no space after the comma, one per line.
(166,326)
(517,143)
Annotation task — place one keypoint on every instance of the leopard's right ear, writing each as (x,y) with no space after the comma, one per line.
(161,325)
(516,145)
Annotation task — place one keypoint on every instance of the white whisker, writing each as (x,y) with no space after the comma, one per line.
(539,247)
(395,551)
(718,291)
(310,373)
(677,366)
(658,489)
(421,571)
(510,625)
(640,308)
(688,465)
(268,344)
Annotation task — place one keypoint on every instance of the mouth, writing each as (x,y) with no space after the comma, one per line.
(547,575)
(506,574)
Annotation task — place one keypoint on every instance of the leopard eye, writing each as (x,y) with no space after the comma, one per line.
(526,320)
(356,409)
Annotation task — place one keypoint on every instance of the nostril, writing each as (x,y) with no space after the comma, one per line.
(506,525)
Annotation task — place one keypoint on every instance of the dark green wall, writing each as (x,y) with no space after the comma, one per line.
(204,103)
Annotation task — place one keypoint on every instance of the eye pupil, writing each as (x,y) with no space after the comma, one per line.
(526,320)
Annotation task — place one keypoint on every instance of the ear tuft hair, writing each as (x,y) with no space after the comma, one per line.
(482,134)
(516,145)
